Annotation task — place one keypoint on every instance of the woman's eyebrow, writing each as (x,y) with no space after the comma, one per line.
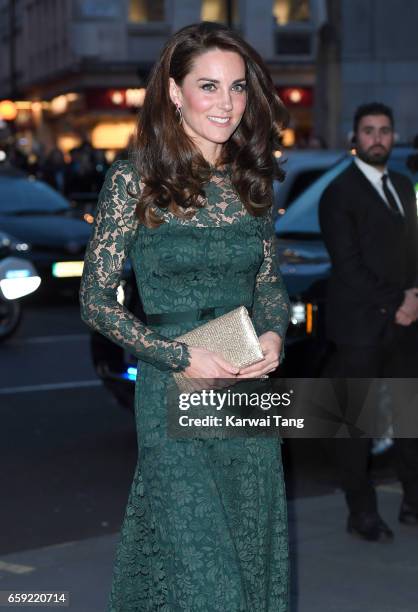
(216,80)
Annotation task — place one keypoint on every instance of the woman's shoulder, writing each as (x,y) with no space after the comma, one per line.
(119,195)
(126,171)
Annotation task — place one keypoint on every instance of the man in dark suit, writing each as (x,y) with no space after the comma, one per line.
(368,217)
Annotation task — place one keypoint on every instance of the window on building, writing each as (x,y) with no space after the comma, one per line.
(222,11)
(291,11)
(294,28)
(98,9)
(146,11)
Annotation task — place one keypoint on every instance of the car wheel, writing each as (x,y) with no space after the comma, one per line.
(10,316)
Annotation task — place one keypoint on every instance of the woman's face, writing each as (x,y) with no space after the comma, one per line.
(212,99)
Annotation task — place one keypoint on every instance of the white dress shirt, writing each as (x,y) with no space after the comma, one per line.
(374,175)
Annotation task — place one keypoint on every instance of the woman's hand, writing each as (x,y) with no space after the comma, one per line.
(207,364)
(403,318)
(271,344)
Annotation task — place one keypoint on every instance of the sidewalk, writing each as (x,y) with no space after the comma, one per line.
(336,572)
(331,571)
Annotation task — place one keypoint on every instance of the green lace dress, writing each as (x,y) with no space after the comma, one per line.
(205,528)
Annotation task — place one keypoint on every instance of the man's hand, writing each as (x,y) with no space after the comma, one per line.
(401,318)
(407,312)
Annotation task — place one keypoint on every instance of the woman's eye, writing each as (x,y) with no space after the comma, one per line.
(211,87)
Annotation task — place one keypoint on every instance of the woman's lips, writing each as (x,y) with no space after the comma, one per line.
(219,123)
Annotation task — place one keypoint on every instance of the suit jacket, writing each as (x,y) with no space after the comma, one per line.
(374,255)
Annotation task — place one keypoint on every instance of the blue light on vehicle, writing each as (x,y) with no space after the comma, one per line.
(130,374)
(18,273)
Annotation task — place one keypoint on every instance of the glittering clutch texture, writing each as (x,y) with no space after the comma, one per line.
(232,335)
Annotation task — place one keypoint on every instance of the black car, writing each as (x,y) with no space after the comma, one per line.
(33,212)
(18,278)
(305,266)
(302,168)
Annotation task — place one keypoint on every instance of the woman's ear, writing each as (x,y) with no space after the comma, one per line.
(175,94)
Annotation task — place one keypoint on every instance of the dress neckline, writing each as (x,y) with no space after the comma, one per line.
(224,169)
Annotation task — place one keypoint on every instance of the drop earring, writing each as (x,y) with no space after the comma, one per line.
(179,114)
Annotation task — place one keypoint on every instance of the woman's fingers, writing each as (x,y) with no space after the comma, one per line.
(227,367)
(271,360)
(260,374)
(252,369)
(209,365)
(259,369)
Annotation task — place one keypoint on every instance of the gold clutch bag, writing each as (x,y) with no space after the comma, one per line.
(232,335)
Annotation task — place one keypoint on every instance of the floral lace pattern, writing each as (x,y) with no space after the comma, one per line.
(112,236)
(205,528)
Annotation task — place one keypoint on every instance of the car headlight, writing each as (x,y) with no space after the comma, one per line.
(11,243)
(17,278)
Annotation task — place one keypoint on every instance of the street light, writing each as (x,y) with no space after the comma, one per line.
(8,110)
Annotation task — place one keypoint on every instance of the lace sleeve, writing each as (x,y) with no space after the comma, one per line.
(114,229)
(271,308)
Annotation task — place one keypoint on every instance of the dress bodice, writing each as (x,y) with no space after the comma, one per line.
(222,257)
(209,261)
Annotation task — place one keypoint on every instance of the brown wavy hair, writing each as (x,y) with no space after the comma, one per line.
(170,165)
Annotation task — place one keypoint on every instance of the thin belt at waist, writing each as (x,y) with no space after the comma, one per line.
(199,314)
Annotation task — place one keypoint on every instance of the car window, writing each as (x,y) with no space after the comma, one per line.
(18,195)
(302,216)
(405,161)
(302,182)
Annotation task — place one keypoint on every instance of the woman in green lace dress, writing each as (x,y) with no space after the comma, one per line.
(205,528)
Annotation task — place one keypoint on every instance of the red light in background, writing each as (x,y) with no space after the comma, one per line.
(296,96)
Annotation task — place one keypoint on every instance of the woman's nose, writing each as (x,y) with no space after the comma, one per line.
(225,100)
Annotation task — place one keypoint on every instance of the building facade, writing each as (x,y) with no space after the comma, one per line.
(367,51)
(77,68)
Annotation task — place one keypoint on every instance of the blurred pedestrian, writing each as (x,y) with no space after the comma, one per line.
(368,218)
(54,169)
(316,142)
(16,158)
(80,171)
(99,168)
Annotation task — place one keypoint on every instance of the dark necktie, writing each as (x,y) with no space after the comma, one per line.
(390,198)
